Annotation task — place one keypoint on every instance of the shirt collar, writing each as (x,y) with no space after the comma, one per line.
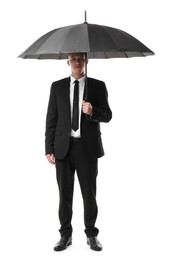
(81,80)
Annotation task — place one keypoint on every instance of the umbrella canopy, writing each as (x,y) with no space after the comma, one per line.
(97,41)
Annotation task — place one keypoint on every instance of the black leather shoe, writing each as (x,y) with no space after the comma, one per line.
(63,243)
(94,243)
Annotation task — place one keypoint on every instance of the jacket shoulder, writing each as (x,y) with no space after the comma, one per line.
(61,81)
(95,81)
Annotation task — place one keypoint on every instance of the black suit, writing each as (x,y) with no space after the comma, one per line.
(81,156)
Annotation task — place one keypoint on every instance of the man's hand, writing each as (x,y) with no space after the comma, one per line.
(51,158)
(86,107)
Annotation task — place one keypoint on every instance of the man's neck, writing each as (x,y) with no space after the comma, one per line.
(78,76)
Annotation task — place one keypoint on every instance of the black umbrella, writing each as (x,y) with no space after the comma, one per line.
(96,41)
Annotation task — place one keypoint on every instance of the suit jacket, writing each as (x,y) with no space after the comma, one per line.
(58,119)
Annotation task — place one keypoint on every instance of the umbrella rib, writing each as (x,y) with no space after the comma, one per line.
(65,39)
(105,54)
(119,50)
(110,37)
(139,43)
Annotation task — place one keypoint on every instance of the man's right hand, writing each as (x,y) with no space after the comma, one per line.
(51,158)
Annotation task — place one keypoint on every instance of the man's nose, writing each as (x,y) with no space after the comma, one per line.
(77,60)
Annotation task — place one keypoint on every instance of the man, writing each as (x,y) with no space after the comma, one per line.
(73,142)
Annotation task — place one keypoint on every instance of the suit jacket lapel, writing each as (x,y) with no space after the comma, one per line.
(66,99)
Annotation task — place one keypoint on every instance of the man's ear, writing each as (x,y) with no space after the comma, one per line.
(68,62)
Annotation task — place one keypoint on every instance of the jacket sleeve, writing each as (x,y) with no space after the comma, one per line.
(101,113)
(51,121)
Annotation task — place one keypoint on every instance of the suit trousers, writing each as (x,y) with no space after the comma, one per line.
(87,170)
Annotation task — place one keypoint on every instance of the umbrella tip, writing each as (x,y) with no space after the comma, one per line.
(85,17)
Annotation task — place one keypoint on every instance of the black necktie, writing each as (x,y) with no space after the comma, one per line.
(75,114)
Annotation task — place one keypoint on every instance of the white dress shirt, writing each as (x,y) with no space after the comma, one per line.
(77,133)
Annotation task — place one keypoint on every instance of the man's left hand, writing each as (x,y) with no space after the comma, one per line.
(86,107)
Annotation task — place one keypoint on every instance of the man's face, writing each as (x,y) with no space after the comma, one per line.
(77,62)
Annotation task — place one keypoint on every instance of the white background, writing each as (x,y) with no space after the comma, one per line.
(135,181)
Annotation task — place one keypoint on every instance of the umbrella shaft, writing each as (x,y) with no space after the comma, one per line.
(86,81)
